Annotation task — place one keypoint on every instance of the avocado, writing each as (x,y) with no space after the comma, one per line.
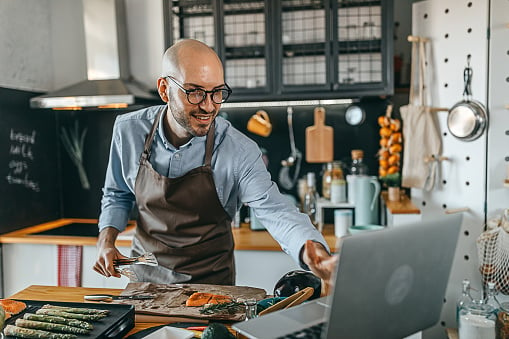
(216,331)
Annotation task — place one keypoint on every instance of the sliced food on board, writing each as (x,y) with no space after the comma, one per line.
(203,298)
(12,307)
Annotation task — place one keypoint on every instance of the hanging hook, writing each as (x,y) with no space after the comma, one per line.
(467,78)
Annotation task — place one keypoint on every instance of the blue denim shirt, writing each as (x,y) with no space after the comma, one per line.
(239,173)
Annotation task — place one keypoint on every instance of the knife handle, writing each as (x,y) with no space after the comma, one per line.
(98,297)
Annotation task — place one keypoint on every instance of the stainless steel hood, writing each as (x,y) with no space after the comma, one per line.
(109,83)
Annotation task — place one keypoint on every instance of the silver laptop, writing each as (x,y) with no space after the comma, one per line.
(389,284)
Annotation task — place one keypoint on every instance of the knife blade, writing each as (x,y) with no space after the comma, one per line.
(109,297)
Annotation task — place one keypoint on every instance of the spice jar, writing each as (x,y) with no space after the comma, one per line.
(333,171)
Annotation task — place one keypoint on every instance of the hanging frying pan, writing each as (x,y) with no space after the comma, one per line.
(467,119)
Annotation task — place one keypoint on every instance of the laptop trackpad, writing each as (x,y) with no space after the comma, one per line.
(305,313)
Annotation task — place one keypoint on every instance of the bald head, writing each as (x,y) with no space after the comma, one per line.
(189,55)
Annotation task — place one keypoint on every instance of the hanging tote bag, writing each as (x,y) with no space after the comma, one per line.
(421,137)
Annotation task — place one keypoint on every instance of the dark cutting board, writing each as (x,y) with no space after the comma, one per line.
(170,299)
(116,325)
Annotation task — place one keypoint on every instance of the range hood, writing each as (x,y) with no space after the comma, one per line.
(109,83)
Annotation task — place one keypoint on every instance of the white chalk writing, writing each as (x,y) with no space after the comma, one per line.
(20,150)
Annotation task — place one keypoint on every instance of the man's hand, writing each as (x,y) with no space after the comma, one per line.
(321,263)
(107,253)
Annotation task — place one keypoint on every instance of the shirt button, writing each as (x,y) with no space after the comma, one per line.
(177,156)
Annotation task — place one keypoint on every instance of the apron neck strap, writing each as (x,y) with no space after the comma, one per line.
(150,137)
(209,148)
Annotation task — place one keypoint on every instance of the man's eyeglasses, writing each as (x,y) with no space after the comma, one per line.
(196,96)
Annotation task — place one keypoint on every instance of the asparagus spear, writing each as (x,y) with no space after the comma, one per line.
(48,311)
(39,325)
(81,310)
(59,320)
(30,333)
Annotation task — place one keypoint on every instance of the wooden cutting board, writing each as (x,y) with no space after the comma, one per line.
(170,299)
(319,139)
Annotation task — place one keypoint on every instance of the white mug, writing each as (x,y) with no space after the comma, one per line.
(343,220)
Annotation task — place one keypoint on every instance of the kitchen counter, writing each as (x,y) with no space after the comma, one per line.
(73,294)
(245,239)
(403,206)
(253,250)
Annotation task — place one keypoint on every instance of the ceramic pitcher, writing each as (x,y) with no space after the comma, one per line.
(363,192)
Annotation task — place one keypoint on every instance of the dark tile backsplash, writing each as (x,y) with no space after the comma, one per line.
(64,195)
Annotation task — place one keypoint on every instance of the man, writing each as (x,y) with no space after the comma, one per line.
(188,171)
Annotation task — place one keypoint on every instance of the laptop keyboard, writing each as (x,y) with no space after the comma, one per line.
(307,333)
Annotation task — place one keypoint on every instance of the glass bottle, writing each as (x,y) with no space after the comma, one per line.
(476,320)
(251,306)
(310,198)
(465,298)
(491,297)
(358,166)
(333,171)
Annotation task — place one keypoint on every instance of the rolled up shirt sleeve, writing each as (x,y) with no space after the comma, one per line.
(118,197)
(289,227)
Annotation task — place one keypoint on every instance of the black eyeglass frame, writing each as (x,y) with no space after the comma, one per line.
(213,92)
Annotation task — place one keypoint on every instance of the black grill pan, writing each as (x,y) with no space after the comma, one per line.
(116,325)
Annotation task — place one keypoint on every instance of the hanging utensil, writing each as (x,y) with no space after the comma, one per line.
(467,119)
(295,158)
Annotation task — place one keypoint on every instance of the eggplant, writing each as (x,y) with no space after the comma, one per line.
(295,281)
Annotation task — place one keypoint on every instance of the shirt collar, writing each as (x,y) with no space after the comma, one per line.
(160,132)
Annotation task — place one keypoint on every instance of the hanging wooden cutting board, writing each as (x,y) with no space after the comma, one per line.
(319,139)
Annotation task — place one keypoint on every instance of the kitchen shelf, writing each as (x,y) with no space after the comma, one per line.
(360,46)
(245,52)
(357,3)
(317,48)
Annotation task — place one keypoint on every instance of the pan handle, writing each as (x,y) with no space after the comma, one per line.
(467,78)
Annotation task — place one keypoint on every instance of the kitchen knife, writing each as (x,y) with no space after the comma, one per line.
(109,297)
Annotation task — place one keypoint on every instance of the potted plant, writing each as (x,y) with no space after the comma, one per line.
(393,183)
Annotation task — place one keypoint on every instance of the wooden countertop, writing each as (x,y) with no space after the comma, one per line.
(245,239)
(403,206)
(74,294)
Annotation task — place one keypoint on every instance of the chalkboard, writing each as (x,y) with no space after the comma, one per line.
(29,181)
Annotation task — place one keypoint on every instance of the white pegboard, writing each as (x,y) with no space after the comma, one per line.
(498,98)
(456,29)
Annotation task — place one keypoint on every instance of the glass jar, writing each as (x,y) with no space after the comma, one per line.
(333,171)
(477,320)
(502,325)
(358,166)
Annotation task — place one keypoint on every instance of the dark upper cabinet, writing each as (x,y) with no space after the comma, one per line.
(293,49)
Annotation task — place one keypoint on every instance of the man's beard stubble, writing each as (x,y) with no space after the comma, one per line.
(183,118)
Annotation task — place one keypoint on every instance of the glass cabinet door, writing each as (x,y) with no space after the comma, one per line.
(246,52)
(304,40)
(193,20)
(358,47)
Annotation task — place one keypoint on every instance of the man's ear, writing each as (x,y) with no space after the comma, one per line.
(162,89)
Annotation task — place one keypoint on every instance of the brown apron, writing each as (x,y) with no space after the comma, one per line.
(182,222)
